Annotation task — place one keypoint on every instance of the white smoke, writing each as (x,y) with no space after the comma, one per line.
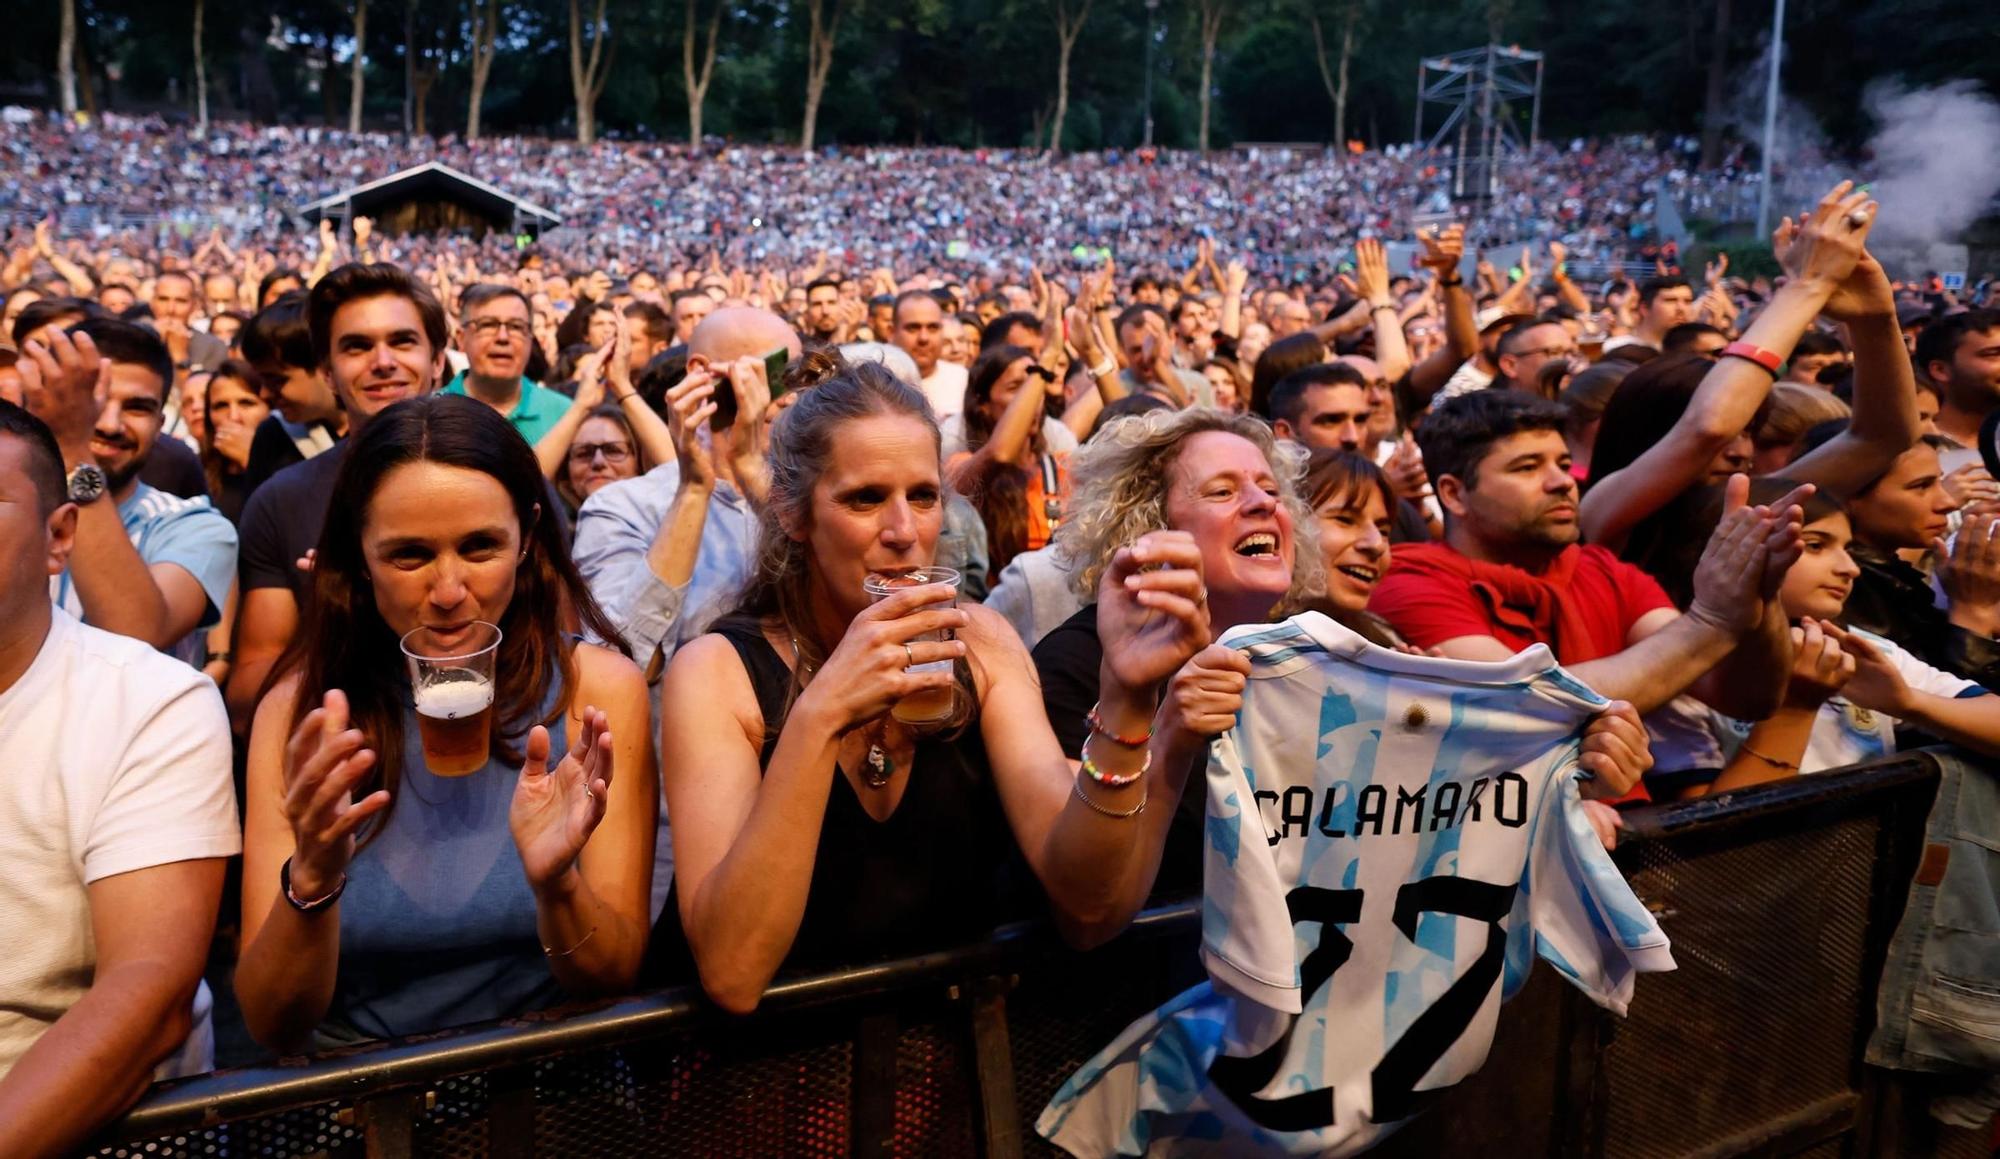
(1936,159)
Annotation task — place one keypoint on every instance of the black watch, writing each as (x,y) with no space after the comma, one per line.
(87,483)
(315,905)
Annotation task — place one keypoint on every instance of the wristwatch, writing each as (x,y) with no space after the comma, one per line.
(87,483)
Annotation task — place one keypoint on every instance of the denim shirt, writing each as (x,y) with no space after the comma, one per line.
(1938,1008)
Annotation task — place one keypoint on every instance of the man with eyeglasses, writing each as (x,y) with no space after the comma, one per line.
(1524,351)
(496,332)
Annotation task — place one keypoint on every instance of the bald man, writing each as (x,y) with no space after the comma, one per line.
(665,555)
(661,553)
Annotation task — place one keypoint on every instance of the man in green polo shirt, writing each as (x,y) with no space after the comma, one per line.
(495,329)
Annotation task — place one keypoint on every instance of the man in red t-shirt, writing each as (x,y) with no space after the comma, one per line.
(1511,573)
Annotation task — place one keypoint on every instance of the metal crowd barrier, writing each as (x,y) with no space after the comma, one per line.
(1780,902)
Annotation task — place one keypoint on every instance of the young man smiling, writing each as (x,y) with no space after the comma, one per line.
(378,337)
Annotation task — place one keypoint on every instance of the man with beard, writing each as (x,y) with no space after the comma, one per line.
(147,564)
(1511,572)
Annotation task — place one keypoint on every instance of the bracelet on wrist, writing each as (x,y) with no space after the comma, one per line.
(1096,723)
(1091,769)
(300,904)
(1103,368)
(1114,814)
(1456,280)
(573,949)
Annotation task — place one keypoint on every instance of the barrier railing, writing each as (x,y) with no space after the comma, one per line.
(1780,901)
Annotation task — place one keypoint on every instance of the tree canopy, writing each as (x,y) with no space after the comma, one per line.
(976,73)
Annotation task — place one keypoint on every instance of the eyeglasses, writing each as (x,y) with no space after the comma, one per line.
(489,327)
(614,453)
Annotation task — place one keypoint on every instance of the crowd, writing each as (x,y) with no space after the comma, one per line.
(853,602)
(648,203)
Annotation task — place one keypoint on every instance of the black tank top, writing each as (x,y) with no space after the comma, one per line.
(942,868)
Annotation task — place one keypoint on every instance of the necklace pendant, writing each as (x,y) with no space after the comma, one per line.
(879,768)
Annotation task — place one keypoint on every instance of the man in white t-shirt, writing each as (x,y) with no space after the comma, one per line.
(117,815)
(919,329)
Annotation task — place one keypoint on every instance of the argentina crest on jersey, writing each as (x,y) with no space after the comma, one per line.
(1391,841)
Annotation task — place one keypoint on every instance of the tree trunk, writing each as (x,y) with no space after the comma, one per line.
(357,73)
(1211,28)
(1066,34)
(1340,83)
(66,60)
(586,74)
(1319,58)
(485,34)
(824,25)
(200,73)
(1712,111)
(697,80)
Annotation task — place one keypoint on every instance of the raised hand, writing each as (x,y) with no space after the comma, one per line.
(1405,470)
(1822,247)
(1371,272)
(690,404)
(1745,561)
(590,376)
(1235,276)
(1615,752)
(325,761)
(554,811)
(1970,570)
(1864,293)
(1713,272)
(1558,254)
(1152,610)
(66,384)
(1443,249)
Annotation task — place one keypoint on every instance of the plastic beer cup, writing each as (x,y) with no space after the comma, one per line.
(451,681)
(932,705)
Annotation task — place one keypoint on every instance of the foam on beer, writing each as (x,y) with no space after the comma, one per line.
(454,699)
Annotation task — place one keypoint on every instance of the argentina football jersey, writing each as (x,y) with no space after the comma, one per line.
(1391,841)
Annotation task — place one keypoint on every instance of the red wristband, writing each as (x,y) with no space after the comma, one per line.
(1757,354)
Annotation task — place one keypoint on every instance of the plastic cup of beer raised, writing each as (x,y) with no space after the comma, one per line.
(451,679)
(932,705)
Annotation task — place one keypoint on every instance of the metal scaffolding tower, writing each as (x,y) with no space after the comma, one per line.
(1481,87)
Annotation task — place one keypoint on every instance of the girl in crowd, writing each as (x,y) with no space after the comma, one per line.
(1226,482)
(234,405)
(380,898)
(1231,385)
(1014,461)
(811,826)
(1850,689)
(1351,501)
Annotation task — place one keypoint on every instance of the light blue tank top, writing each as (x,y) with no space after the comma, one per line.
(437,927)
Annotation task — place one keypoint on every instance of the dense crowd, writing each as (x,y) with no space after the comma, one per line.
(853,596)
(647,202)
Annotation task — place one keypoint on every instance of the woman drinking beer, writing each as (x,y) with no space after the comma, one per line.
(811,824)
(382,896)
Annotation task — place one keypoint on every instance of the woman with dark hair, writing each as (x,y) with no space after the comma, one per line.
(1013,464)
(234,405)
(1679,421)
(811,826)
(1351,500)
(381,898)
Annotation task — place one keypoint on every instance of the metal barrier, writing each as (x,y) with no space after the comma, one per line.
(1780,902)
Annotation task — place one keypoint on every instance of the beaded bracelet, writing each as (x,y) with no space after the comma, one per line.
(1109,780)
(1114,814)
(1096,724)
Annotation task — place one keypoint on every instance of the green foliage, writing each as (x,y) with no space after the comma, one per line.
(983,72)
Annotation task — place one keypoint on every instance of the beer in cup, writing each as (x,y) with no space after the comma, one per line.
(451,681)
(931,705)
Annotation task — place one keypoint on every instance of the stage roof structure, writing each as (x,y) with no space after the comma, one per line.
(432,198)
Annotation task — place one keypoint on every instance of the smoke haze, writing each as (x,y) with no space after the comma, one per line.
(1937,159)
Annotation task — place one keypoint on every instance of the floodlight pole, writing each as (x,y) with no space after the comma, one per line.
(1770,119)
(1150,6)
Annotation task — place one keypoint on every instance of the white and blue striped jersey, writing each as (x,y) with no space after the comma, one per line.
(1392,839)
